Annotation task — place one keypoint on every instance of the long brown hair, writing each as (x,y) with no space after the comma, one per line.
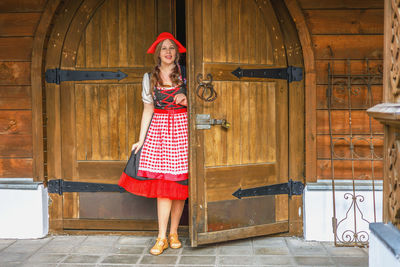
(155,74)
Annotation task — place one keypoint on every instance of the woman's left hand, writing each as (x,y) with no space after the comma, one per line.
(180,99)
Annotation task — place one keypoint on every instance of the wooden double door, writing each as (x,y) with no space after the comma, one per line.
(91,124)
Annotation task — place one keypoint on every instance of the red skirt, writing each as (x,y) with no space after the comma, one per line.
(164,158)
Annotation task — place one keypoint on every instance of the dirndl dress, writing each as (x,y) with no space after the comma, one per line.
(161,166)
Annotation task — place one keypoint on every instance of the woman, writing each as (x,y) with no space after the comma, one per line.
(163,165)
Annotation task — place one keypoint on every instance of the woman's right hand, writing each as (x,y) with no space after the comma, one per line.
(137,146)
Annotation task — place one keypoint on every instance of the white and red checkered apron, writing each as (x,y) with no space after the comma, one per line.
(165,150)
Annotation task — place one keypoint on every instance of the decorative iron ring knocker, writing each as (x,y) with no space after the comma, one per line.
(205,89)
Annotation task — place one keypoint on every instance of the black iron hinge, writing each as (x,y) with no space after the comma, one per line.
(290,188)
(291,73)
(59,75)
(60,186)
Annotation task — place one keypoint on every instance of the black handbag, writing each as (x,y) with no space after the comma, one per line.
(132,166)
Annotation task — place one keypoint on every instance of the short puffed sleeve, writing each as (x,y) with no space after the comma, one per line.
(146,95)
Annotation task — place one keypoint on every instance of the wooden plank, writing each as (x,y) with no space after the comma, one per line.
(15,103)
(15,97)
(342,146)
(15,146)
(291,207)
(123,144)
(304,36)
(15,168)
(339,21)
(19,92)
(281,208)
(94,224)
(218,30)
(92,42)
(16,122)
(95,123)
(102,46)
(18,24)
(100,171)
(113,113)
(123,33)
(245,232)
(348,46)
(22,5)
(221,183)
(112,32)
(340,122)
(360,98)
(244,123)
(340,4)
(104,123)
(80,115)
(16,48)
(340,67)
(343,170)
(15,73)
(88,122)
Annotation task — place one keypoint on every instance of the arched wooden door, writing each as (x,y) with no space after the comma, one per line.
(92,124)
(253,152)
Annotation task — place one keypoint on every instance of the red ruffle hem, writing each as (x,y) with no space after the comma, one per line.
(156,188)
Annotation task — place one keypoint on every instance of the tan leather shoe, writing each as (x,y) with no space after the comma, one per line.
(159,247)
(174,241)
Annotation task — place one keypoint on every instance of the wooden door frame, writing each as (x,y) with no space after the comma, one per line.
(56,9)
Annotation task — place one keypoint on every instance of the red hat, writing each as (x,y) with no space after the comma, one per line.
(163,36)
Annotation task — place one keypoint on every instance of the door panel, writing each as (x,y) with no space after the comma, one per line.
(254,150)
(100,120)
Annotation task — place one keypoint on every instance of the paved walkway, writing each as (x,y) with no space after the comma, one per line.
(107,251)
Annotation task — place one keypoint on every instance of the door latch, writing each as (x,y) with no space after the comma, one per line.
(204,121)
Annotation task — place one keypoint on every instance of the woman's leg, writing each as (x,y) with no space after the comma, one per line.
(163,211)
(176,213)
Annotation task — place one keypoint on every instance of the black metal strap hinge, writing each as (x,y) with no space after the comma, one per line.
(58,75)
(290,188)
(60,186)
(291,73)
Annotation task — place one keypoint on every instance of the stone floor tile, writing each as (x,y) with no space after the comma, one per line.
(76,265)
(69,240)
(299,247)
(351,261)
(81,259)
(124,249)
(118,265)
(273,260)
(235,250)
(154,265)
(345,251)
(87,249)
(121,259)
(140,241)
(203,250)
(272,250)
(11,264)
(13,257)
(100,240)
(235,260)
(39,241)
(22,248)
(200,260)
(267,242)
(240,242)
(58,248)
(162,260)
(46,258)
(313,260)
(38,264)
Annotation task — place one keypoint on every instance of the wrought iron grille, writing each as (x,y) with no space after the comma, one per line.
(349,94)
